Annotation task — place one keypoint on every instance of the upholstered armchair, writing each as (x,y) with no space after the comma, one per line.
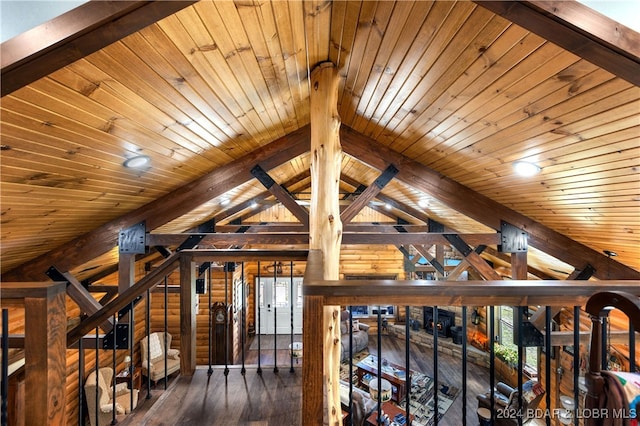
(154,369)
(507,402)
(104,392)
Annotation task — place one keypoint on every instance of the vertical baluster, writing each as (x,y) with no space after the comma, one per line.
(259,330)
(576,362)
(148,331)
(166,326)
(632,347)
(97,370)
(113,357)
(80,380)
(275,317)
(492,363)
(5,366)
(243,311)
(520,313)
(210,328)
(132,365)
(291,306)
(464,366)
(379,378)
(227,269)
(350,358)
(547,365)
(407,359)
(435,364)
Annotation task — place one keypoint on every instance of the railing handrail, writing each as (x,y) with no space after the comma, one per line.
(463,293)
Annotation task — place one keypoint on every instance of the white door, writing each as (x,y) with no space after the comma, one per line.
(275,300)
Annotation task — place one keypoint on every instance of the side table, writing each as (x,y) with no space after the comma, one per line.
(134,380)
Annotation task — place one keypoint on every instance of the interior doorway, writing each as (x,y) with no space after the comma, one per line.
(276,299)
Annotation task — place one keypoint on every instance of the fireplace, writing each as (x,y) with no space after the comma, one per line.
(446,320)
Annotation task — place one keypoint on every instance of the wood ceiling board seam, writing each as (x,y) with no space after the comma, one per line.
(450,107)
(234,57)
(544,121)
(159,52)
(208,59)
(405,23)
(477,112)
(451,64)
(27,136)
(407,77)
(270,59)
(112,95)
(193,42)
(371,40)
(416,29)
(229,13)
(290,21)
(366,21)
(147,88)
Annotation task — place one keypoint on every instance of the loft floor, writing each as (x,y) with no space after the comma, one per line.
(276,398)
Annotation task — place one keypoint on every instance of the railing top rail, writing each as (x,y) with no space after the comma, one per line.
(243,255)
(20,290)
(461,293)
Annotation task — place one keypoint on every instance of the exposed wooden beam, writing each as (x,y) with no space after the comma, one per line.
(368,194)
(578,29)
(74,35)
(281,194)
(507,258)
(164,209)
(479,207)
(303,238)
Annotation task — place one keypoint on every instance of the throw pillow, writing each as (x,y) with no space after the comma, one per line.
(356,325)
(173,353)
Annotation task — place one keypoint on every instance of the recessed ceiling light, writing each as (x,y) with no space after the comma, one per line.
(423,203)
(387,206)
(254,205)
(525,168)
(137,162)
(224,201)
(610,253)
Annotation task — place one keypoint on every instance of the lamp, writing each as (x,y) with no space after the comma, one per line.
(475,317)
(127,362)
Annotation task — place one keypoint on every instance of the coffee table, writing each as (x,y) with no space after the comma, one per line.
(395,374)
(391,410)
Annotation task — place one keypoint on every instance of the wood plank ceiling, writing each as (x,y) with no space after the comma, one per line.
(450,85)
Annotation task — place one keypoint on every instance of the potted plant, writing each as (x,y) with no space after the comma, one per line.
(508,354)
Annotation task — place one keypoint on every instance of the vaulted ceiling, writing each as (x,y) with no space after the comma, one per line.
(450,93)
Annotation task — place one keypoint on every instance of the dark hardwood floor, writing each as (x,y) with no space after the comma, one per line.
(276,398)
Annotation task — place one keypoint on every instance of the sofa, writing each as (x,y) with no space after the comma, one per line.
(104,389)
(507,402)
(362,405)
(154,369)
(360,336)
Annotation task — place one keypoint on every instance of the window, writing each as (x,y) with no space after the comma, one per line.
(366,311)
(506,336)
(386,311)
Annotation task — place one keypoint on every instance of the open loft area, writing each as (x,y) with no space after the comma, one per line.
(193,192)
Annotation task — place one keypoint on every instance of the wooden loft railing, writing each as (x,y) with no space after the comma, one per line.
(320,295)
(46,341)
(45,349)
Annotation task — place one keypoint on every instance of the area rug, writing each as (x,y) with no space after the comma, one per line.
(421,401)
(267,341)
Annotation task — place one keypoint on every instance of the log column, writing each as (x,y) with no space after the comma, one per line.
(325,235)
(187,316)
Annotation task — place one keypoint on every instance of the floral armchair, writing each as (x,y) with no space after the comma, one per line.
(104,392)
(154,369)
